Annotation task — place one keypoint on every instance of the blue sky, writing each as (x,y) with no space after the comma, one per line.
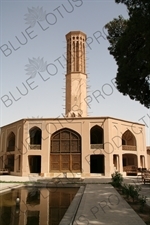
(20,42)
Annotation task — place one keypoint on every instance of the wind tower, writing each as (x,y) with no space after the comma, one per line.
(76,78)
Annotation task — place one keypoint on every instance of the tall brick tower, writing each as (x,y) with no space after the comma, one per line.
(76,77)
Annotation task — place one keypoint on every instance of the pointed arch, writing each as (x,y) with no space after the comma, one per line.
(128,141)
(11,139)
(96,135)
(35,138)
(65,154)
(66,140)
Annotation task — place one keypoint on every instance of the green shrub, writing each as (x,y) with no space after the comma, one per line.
(131,191)
(117,179)
(142,201)
(125,190)
(134,191)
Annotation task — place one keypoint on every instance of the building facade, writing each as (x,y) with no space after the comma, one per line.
(76,145)
(73,146)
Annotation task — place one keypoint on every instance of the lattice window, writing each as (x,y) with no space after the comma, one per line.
(65,141)
(65,135)
(74,146)
(65,146)
(55,162)
(65,162)
(55,146)
(57,136)
(65,151)
(76,162)
(74,136)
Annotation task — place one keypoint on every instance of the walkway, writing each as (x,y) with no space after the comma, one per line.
(13,182)
(145,188)
(102,205)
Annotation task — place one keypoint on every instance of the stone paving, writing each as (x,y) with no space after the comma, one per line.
(101,204)
(9,186)
(134,180)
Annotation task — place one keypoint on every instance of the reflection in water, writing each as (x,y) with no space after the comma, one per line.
(38,206)
(33,197)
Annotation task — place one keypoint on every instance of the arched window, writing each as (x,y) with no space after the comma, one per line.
(35,138)
(128,141)
(11,142)
(65,151)
(96,136)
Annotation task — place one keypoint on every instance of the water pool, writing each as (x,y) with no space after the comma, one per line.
(37,206)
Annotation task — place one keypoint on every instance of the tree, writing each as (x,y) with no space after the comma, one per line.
(130,45)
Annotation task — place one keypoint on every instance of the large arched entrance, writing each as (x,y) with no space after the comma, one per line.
(97,164)
(65,153)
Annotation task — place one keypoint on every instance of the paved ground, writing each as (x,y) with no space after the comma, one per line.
(145,188)
(8,186)
(101,204)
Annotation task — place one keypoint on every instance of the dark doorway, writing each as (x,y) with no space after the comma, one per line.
(97,164)
(10,162)
(35,164)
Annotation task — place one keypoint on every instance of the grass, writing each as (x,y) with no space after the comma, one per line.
(17,182)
